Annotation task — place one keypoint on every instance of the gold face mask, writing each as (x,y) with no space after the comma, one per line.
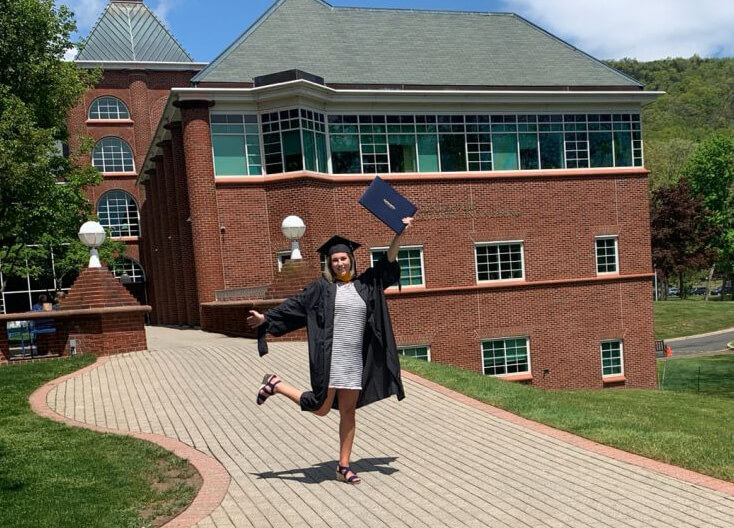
(345,277)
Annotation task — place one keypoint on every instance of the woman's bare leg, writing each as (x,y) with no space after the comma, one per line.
(347,423)
(289,391)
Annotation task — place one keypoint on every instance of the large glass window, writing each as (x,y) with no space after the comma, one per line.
(505,356)
(426,129)
(611,358)
(111,154)
(236,144)
(108,107)
(411,264)
(294,140)
(118,212)
(499,261)
(344,143)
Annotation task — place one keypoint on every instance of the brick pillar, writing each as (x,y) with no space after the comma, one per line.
(140,113)
(202,199)
(184,224)
(174,240)
(146,247)
(163,254)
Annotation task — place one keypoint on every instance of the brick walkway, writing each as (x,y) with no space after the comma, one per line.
(429,460)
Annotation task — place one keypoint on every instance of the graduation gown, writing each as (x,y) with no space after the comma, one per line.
(314,309)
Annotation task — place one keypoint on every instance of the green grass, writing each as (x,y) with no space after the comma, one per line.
(55,475)
(688,430)
(707,375)
(676,318)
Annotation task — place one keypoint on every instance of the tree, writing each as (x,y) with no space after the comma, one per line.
(710,171)
(42,200)
(682,236)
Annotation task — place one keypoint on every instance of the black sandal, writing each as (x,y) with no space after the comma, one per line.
(267,389)
(341,474)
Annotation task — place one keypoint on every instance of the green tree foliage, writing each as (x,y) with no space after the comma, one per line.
(42,200)
(682,236)
(710,171)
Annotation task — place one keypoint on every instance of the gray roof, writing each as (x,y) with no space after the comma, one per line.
(129,31)
(347,45)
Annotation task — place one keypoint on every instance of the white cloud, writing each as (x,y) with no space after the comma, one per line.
(162,9)
(86,12)
(70,54)
(640,29)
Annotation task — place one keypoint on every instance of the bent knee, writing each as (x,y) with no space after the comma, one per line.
(322,412)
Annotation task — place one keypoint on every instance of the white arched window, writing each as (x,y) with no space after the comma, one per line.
(118,212)
(108,107)
(128,270)
(111,154)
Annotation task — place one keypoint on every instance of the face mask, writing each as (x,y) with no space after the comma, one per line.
(345,277)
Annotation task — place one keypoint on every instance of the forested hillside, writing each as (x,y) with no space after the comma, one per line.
(699,102)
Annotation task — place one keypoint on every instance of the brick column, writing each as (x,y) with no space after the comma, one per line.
(202,199)
(146,247)
(140,113)
(174,240)
(184,224)
(163,254)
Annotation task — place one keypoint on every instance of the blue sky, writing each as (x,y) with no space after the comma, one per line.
(606,29)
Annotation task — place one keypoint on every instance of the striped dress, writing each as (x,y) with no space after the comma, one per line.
(350,315)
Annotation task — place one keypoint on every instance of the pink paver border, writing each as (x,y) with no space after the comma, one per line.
(670,470)
(215,477)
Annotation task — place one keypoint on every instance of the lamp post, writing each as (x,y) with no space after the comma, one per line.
(293,229)
(92,235)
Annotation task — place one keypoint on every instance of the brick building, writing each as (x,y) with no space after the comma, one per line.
(530,255)
(140,61)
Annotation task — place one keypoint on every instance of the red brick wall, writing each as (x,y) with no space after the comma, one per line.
(557,217)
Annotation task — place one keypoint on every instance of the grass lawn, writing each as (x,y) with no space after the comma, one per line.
(55,475)
(712,375)
(689,430)
(676,318)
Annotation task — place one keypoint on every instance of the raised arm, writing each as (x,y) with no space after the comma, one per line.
(392,251)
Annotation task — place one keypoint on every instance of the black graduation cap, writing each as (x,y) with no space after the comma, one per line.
(337,244)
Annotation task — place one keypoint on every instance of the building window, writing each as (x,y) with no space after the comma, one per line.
(118,212)
(611,358)
(283,257)
(411,264)
(500,261)
(236,144)
(418,352)
(457,143)
(108,107)
(128,271)
(294,140)
(506,356)
(606,254)
(111,154)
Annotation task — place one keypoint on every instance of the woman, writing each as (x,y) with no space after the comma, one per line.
(353,358)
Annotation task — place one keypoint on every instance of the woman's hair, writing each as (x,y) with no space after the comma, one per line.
(329,273)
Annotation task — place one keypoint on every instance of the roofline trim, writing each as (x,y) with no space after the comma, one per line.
(141,65)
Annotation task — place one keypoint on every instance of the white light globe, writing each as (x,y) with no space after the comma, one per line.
(92,234)
(293,227)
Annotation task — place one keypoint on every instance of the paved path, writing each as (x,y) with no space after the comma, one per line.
(429,460)
(706,343)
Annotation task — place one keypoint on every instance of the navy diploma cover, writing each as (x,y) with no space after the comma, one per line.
(387,204)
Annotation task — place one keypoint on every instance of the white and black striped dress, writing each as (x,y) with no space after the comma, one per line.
(350,315)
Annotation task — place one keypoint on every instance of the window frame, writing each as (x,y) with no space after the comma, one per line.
(409,247)
(133,263)
(137,211)
(621,357)
(616,254)
(527,372)
(103,169)
(91,106)
(497,243)
(427,347)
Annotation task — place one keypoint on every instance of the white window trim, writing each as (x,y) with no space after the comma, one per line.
(423,269)
(621,357)
(616,254)
(496,243)
(481,356)
(124,104)
(417,346)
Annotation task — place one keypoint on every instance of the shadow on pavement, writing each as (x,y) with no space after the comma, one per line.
(324,471)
